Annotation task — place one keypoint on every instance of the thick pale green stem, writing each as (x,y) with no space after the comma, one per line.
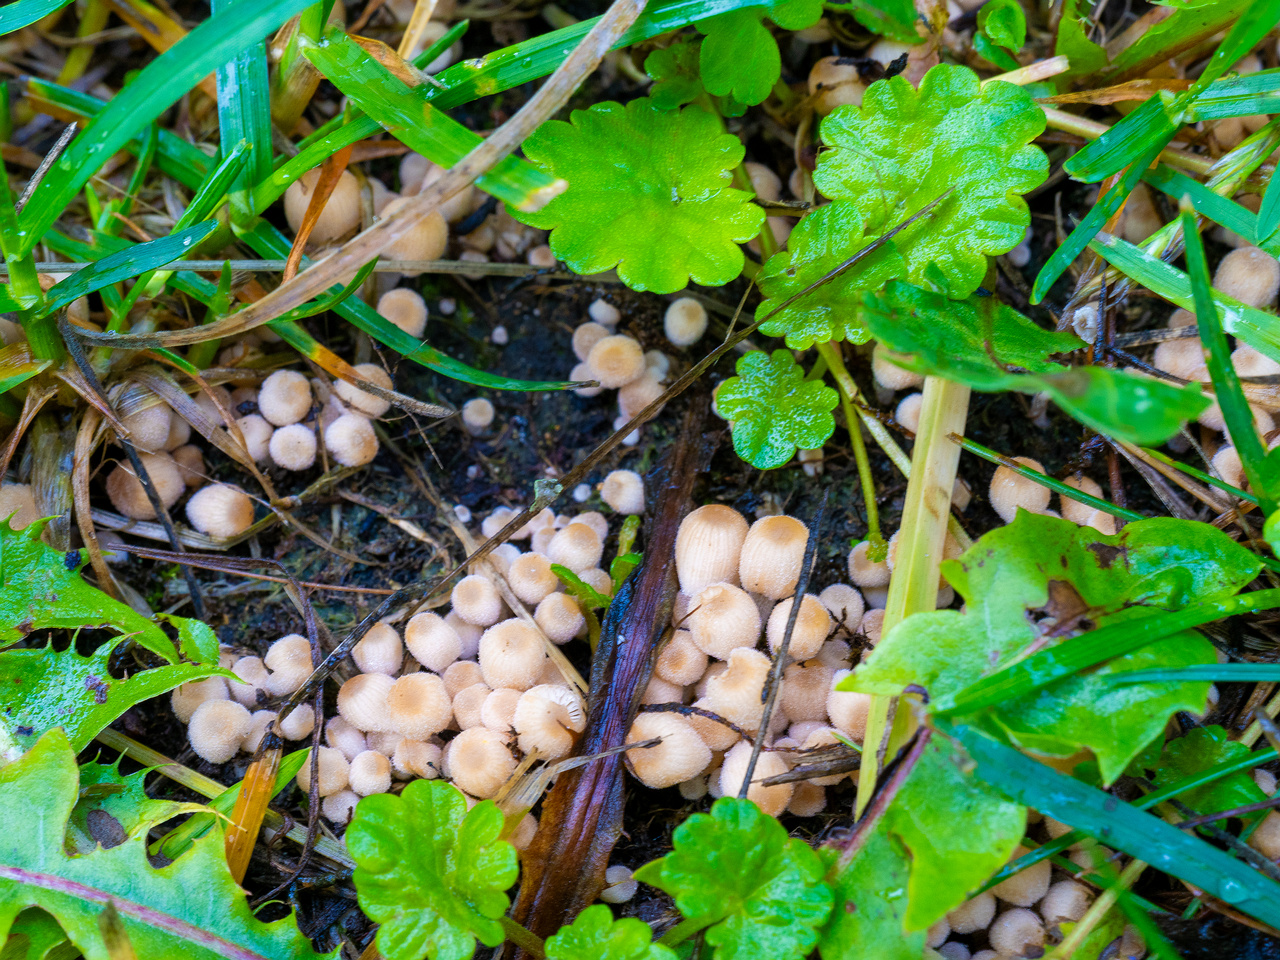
(921,540)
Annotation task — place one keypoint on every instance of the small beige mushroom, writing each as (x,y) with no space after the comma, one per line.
(217,728)
(511,655)
(379,651)
(679,756)
(362,702)
(479,762)
(623,491)
(333,772)
(418,706)
(289,660)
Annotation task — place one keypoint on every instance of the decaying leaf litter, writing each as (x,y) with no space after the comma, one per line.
(1096,646)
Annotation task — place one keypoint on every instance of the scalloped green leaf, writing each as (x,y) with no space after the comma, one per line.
(774,409)
(905,148)
(649,193)
(674,70)
(821,242)
(1001,23)
(740,57)
(735,871)
(432,873)
(895,19)
(191,909)
(1199,750)
(595,935)
(1040,580)
(871,903)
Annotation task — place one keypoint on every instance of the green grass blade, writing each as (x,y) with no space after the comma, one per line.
(1187,27)
(127,263)
(17,367)
(244,115)
(1222,211)
(158,86)
(1213,672)
(1258,329)
(1120,825)
(1226,383)
(408,115)
(1131,137)
(1238,97)
(1258,19)
(1268,221)
(15,16)
(1097,646)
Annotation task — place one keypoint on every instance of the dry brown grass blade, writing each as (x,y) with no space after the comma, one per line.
(76,381)
(1133,90)
(86,440)
(251,805)
(331,172)
(395,64)
(35,399)
(159,30)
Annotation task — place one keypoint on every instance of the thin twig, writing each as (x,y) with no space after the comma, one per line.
(49,160)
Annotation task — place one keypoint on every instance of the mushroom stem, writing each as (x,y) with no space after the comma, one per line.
(914,586)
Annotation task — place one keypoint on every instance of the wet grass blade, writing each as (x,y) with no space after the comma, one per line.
(1221,210)
(1238,97)
(1120,825)
(1214,672)
(17,365)
(1116,149)
(244,115)
(1089,649)
(15,16)
(159,85)
(1226,383)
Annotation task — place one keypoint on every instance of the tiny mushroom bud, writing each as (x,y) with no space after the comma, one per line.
(1017,933)
(809,799)
(259,720)
(615,361)
(1065,901)
(685,322)
(284,398)
(660,691)
(293,447)
(511,655)
(766,184)
(370,773)
(361,402)
(479,762)
(708,547)
(848,711)
(477,415)
(379,650)
(908,412)
(833,82)
(680,662)
(681,754)
(216,729)
(638,394)
(619,885)
(341,213)
(771,556)
(476,600)
(289,660)
(425,241)
(560,617)
(873,625)
(343,737)
(362,702)
(546,718)
(333,772)
(723,618)
(531,578)
(602,311)
(340,807)
(1010,490)
(187,697)
(406,309)
(863,571)
(577,547)
(129,497)
(891,376)
(148,427)
(771,800)
(586,336)
(1026,887)
(418,706)
(623,490)
(350,440)
(254,674)
(813,623)
(1250,275)
(973,915)
(432,641)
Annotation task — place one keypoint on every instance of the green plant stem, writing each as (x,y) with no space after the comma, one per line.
(852,423)
(1199,475)
(1045,480)
(528,942)
(1093,916)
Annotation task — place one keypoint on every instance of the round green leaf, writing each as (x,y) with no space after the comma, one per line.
(740,57)
(774,409)
(595,935)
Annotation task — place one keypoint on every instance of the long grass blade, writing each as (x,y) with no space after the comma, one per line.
(1221,210)
(244,115)
(26,12)
(1213,672)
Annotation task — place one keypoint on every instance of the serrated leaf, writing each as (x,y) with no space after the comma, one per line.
(956,830)
(114,807)
(774,409)
(648,193)
(870,903)
(740,57)
(821,242)
(736,871)
(42,588)
(1199,750)
(905,148)
(432,873)
(190,910)
(595,935)
(1022,581)
(676,80)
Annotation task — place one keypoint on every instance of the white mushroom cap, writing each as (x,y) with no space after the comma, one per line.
(476,600)
(531,578)
(129,498)
(586,336)
(546,718)
(685,322)
(351,441)
(431,640)
(343,737)
(426,241)
(772,800)
(907,412)
(18,504)
(723,618)
(577,547)
(187,697)
(289,660)
(735,694)
(813,624)
(416,758)
(848,711)
(680,756)
(293,447)
(660,691)
(362,701)
(680,661)
(623,491)
(406,309)
(298,724)
(845,604)
(1250,275)
(974,914)
(1010,490)
(338,808)
(257,436)
(891,376)
(865,573)
(458,676)
(254,674)
(1065,901)
(468,705)
(479,762)
(498,712)
(341,213)
(602,311)
(708,547)
(511,655)
(284,398)
(834,82)
(259,721)
(217,728)
(418,706)
(804,690)
(333,771)
(379,650)
(1074,510)
(560,617)
(771,556)
(1017,933)
(148,427)
(616,361)
(365,404)
(477,415)
(1026,887)
(220,510)
(370,773)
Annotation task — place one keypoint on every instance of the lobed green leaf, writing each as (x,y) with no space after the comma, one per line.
(774,409)
(740,58)
(595,935)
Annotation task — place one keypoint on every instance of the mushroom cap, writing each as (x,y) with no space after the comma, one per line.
(127,494)
(511,655)
(343,737)
(1226,463)
(813,624)
(735,694)
(602,311)
(686,320)
(418,706)
(406,309)
(615,360)
(723,618)
(289,660)
(1266,836)
(1065,900)
(596,520)
(708,547)
(716,735)
(680,662)
(298,724)
(257,436)
(18,505)
(633,397)
(733,771)
(370,773)
(498,711)
(1010,490)
(907,413)
(340,807)
(577,547)
(1026,887)
(808,800)
(660,691)
(416,758)
(974,914)
(680,756)
(623,491)
(220,510)
(479,762)
(1185,358)
(848,711)
(333,771)
(581,373)
(148,427)
(598,580)
(341,213)
(431,640)
(865,573)
(458,676)
(891,376)
(845,604)
(190,463)
(560,617)
(764,181)
(217,727)
(804,690)
(461,203)
(254,674)
(476,600)
(187,697)
(293,447)
(379,650)
(1074,510)
(546,718)
(1017,933)
(872,625)
(366,404)
(771,555)
(531,578)
(477,415)
(284,398)
(362,702)
(350,440)
(259,721)
(833,82)
(1250,275)
(468,704)
(586,336)
(426,241)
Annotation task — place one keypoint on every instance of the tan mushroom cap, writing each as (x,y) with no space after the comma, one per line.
(416,758)
(285,398)
(362,702)
(406,309)
(126,492)
(735,694)
(460,675)
(148,427)
(217,727)
(733,771)
(333,768)
(771,556)
(289,660)
(18,505)
(577,547)
(722,618)
(511,655)
(680,661)
(804,690)
(1010,490)
(418,706)
(186,698)
(813,625)
(366,404)
(476,600)
(432,641)
(425,241)
(350,440)
(341,213)
(623,491)
(680,756)
(479,762)
(560,617)
(531,578)
(708,547)
(344,738)
(468,705)
(293,447)
(615,361)
(379,651)
(370,773)
(848,711)
(863,571)
(546,719)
